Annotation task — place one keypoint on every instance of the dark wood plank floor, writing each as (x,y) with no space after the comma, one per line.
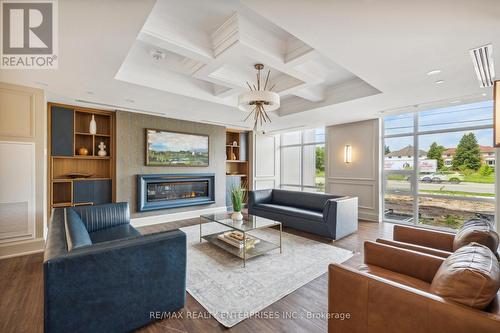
(21,293)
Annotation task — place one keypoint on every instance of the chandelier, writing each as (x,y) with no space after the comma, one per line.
(259,101)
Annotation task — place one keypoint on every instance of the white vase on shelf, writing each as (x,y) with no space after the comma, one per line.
(93,126)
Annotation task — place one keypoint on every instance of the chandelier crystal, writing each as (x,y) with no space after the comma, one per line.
(259,101)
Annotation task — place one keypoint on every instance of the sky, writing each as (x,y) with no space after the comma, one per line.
(453,117)
(169,141)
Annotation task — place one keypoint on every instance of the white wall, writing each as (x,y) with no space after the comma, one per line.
(22,169)
(361,177)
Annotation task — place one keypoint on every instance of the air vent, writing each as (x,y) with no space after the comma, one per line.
(482,58)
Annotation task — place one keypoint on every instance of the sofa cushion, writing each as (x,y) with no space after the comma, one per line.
(76,233)
(478,231)
(292,211)
(104,216)
(114,233)
(470,276)
(304,200)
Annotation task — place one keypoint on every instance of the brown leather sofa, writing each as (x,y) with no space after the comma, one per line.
(391,293)
(441,243)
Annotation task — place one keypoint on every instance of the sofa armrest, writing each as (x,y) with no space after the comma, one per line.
(259,196)
(413,247)
(127,279)
(430,238)
(375,304)
(418,265)
(341,216)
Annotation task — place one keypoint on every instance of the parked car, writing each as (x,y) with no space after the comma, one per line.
(439,177)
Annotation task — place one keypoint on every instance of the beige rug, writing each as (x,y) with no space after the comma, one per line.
(231,293)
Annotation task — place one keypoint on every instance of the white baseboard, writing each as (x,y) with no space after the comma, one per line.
(21,254)
(165,218)
(367,216)
(21,248)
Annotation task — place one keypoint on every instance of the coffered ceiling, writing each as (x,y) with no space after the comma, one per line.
(207,50)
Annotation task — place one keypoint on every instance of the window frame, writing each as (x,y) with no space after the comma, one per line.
(414,184)
(300,186)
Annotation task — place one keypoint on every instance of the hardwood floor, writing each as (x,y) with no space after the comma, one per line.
(21,293)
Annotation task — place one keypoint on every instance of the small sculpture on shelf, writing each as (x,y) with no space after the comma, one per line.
(93,126)
(83,151)
(233,156)
(102,151)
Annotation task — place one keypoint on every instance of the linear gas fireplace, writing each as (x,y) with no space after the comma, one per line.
(174,190)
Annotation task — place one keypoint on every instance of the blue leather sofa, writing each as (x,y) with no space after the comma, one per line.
(326,215)
(102,275)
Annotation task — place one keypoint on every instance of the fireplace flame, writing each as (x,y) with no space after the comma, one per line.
(193,194)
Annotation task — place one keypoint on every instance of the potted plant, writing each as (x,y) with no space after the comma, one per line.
(237,198)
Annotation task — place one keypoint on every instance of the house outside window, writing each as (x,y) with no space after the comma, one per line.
(448,174)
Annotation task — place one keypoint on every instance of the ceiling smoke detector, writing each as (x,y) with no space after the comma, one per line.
(482,58)
(157,55)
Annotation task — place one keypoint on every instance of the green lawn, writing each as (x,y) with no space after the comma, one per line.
(396,177)
(477,178)
(458,193)
(472,178)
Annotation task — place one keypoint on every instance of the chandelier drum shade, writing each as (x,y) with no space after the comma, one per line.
(270,100)
(259,101)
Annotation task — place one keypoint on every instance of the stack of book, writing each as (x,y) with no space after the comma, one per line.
(235,238)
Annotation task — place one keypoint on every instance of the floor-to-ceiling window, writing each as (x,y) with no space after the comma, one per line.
(303,160)
(439,165)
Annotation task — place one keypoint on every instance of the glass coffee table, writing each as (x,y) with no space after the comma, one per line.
(249,223)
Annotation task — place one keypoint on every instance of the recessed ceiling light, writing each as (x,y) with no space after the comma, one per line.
(434,72)
(157,54)
(455,102)
(483,94)
(439,81)
(130,100)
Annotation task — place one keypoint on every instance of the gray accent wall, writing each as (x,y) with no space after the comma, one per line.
(131,160)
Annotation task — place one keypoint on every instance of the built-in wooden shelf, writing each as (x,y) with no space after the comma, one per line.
(62,204)
(84,157)
(83,204)
(60,180)
(68,132)
(97,134)
(237,165)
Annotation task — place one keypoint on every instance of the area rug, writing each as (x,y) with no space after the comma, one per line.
(231,293)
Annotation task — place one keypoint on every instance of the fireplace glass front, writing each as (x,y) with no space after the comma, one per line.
(177,190)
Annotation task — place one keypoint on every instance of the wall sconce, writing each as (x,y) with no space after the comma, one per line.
(496,114)
(348,154)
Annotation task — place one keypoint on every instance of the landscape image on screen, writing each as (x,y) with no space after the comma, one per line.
(176,149)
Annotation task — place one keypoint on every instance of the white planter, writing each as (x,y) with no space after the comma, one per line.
(237,216)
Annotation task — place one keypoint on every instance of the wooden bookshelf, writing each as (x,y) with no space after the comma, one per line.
(237,160)
(68,131)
